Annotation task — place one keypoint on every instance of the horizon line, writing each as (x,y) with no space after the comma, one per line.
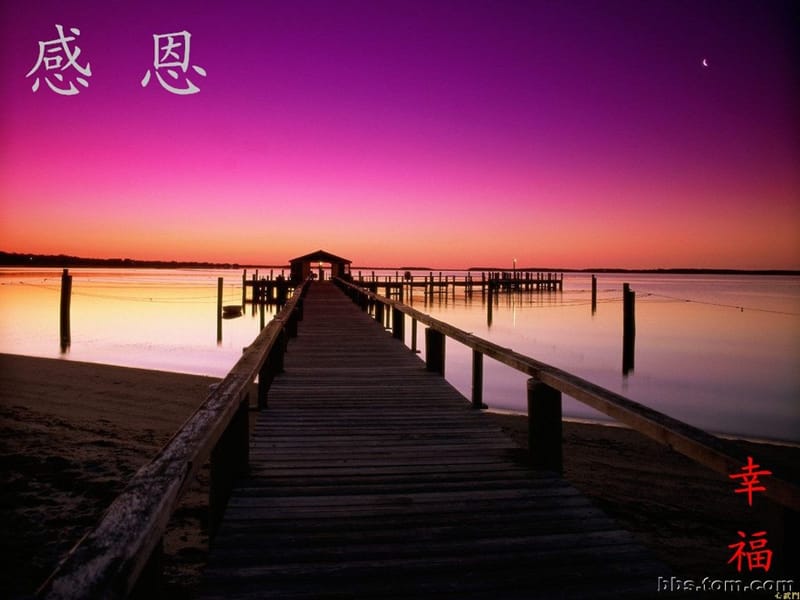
(21,259)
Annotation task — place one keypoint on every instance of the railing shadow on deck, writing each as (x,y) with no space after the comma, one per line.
(121,556)
(548,383)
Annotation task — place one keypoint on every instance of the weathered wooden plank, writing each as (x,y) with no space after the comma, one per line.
(407,498)
(406,506)
(530,518)
(606,563)
(368,549)
(270,473)
(388,531)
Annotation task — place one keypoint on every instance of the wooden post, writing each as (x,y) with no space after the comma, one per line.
(66,300)
(379,312)
(414,336)
(594,294)
(434,351)
(229,459)
(544,426)
(291,325)
(477,380)
(244,288)
(629,306)
(628,328)
(272,366)
(398,324)
(490,300)
(264,379)
(219,309)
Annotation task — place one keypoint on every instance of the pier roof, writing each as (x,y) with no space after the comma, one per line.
(301,266)
(321,256)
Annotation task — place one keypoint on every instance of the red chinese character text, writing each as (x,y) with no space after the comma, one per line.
(757,557)
(749,480)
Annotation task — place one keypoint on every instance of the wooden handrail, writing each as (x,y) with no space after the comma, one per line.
(108,561)
(702,447)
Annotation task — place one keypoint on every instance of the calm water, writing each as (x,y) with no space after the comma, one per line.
(720,352)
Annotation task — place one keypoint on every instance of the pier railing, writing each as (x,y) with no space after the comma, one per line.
(548,383)
(121,555)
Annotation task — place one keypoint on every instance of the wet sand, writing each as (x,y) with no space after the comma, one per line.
(72,434)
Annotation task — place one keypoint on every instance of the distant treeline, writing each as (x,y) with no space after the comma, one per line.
(11,259)
(676,271)
(15,259)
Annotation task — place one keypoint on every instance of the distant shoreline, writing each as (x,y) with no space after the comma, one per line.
(12,259)
(16,259)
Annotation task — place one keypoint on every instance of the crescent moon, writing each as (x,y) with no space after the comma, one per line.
(705,62)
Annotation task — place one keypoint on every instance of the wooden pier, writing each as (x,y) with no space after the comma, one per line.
(402,286)
(371,476)
(273,289)
(265,291)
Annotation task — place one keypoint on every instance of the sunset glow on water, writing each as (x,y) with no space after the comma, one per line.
(447,135)
(719,352)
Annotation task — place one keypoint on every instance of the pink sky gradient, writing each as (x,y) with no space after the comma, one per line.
(448,134)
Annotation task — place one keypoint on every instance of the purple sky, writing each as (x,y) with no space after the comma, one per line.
(571,134)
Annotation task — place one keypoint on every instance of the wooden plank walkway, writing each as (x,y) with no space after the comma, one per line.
(371,477)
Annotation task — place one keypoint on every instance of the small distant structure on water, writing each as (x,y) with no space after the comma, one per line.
(269,290)
(300,267)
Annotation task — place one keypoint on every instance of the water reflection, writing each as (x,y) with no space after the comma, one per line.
(717,351)
(720,352)
(156,319)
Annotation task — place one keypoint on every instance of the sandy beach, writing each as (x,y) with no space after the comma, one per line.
(72,434)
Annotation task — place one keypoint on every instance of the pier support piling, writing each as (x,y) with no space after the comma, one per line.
(398,324)
(477,380)
(219,309)
(628,328)
(434,351)
(544,426)
(229,460)
(66,300)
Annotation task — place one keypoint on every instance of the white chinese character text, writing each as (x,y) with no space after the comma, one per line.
(57,55)
(171,52)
